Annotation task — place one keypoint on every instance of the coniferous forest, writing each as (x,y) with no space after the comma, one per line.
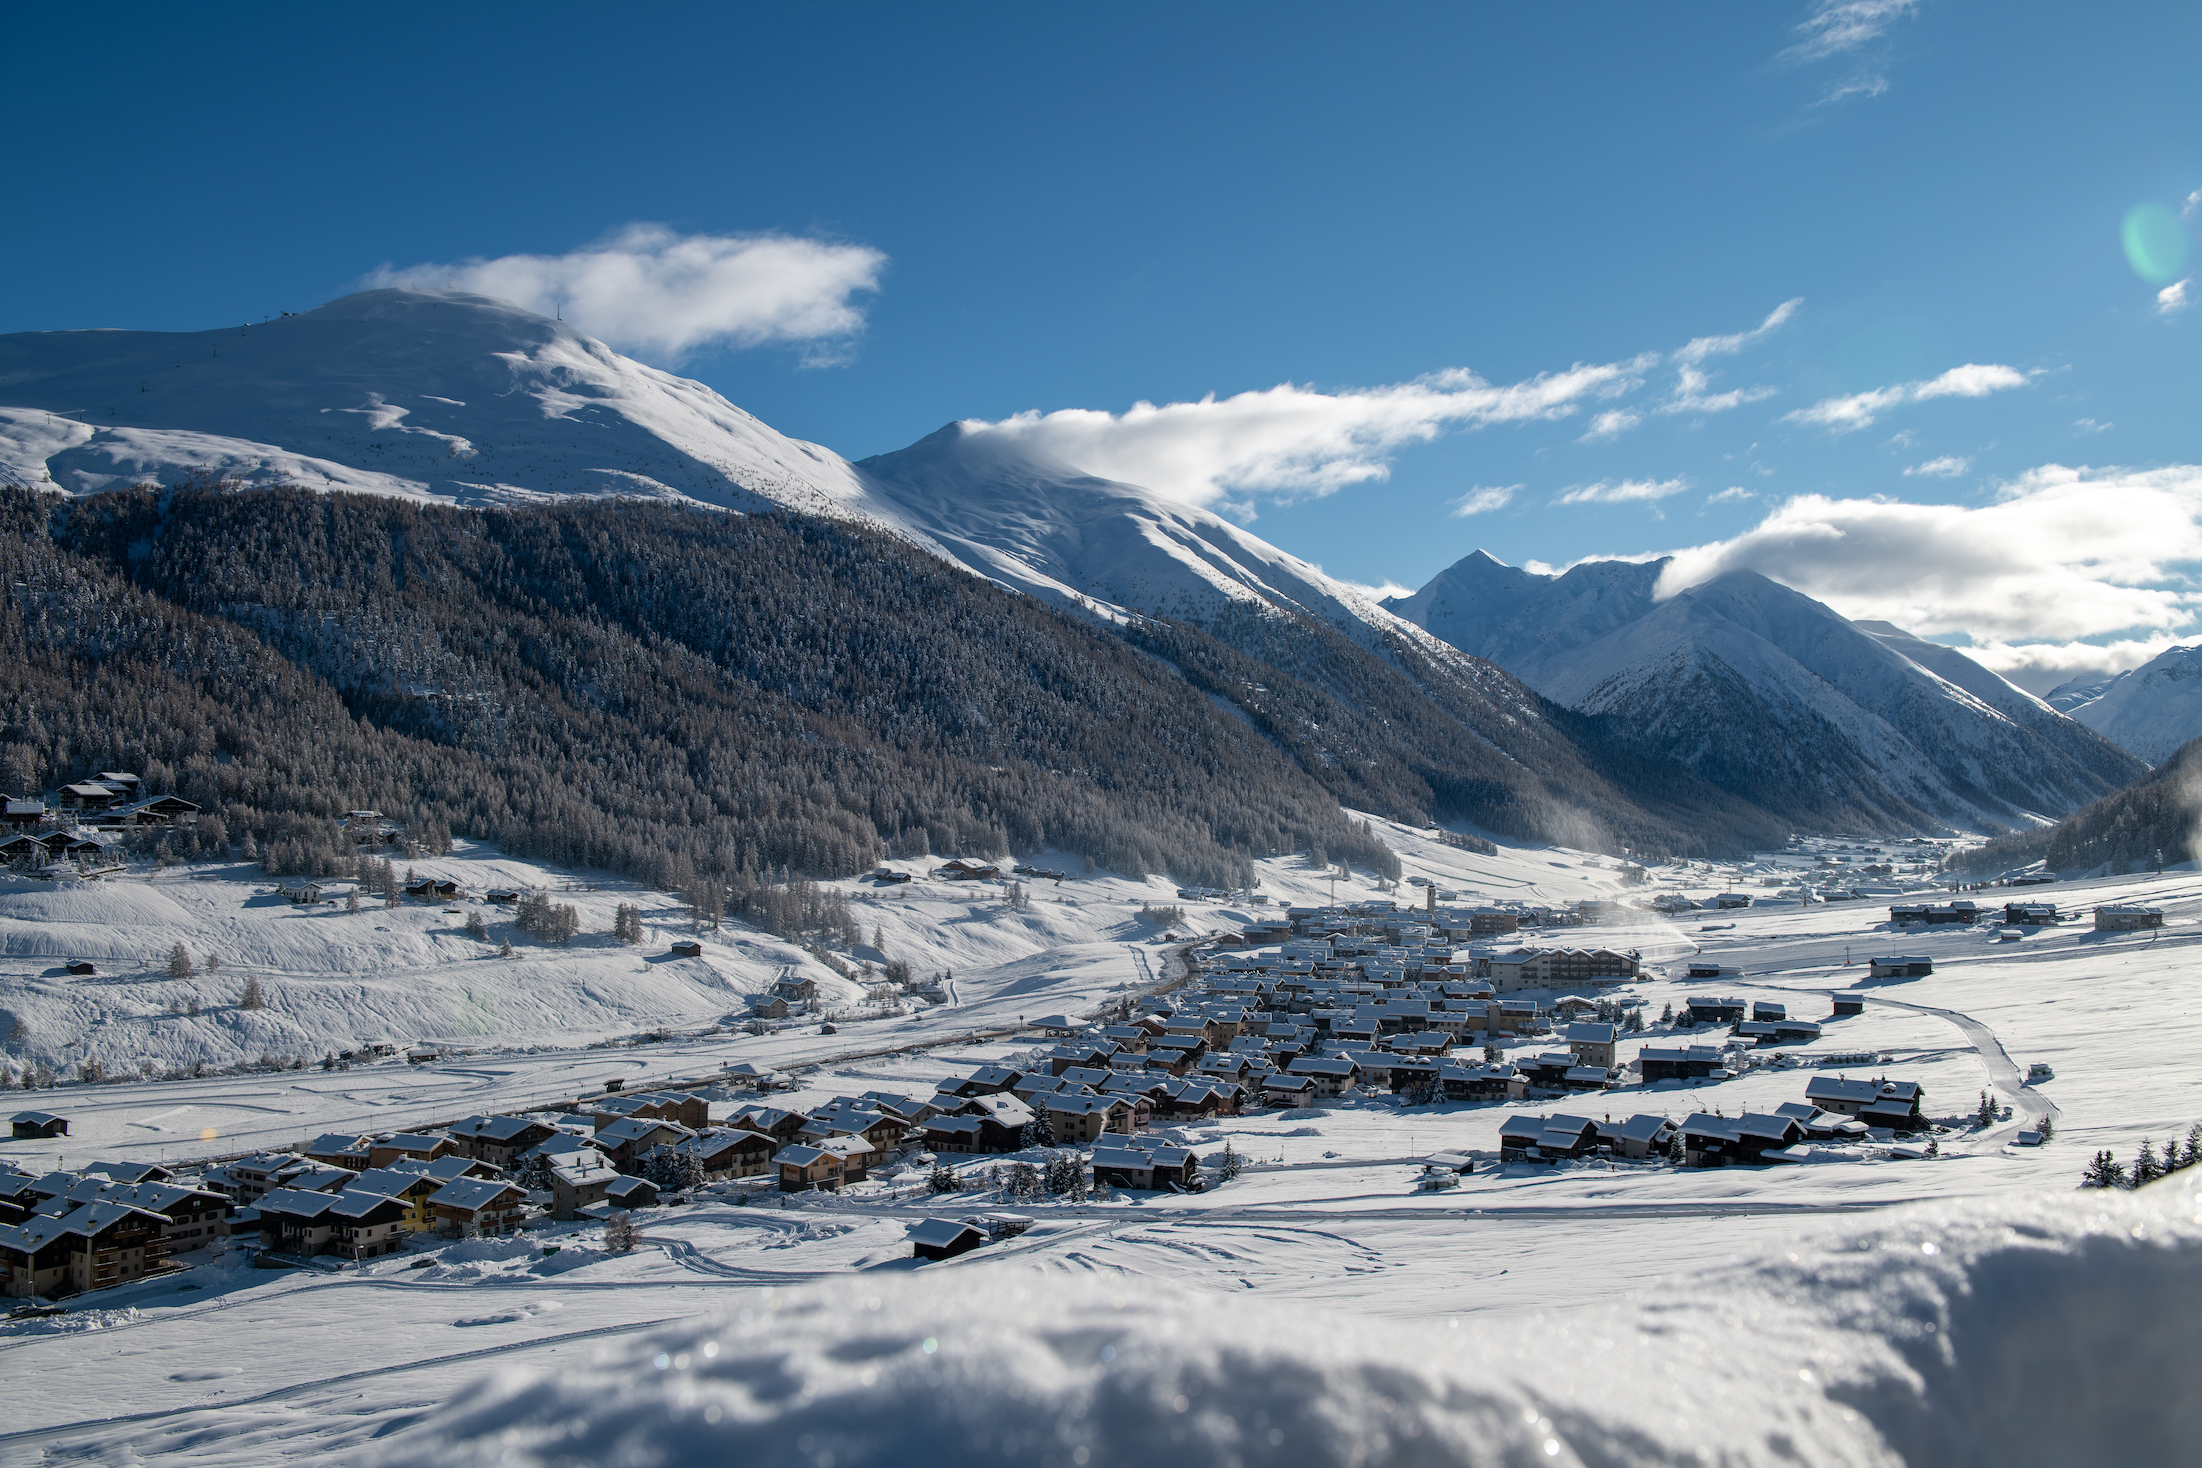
(702,699)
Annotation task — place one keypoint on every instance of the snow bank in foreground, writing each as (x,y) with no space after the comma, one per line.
(2058,1329)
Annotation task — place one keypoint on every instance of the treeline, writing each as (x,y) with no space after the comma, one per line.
(717,703)
(2161,814)
(686,697)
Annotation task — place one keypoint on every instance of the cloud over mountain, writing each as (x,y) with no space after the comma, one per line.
(654,292)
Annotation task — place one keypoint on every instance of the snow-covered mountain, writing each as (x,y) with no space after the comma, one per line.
(431,394)
(473,401)
(2150,710)
(1776,696)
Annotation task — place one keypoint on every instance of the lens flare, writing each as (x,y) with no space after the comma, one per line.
(2156,243)
(206,1134)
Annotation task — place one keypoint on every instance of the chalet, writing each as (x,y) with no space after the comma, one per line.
(2030,914)
(164,810)
(1893,1113)
(1078,1120)
(2127,919)
(828,1166)
(1822,1126)
(1145,1166)
(1961,913)
(88,795)
(81,967)
(1847,1005)
(296,1221)
(1913,967)
(29,1126)
(985,1081)
(1333,1075)
(300,894)
(473,1205)
(1638,1138)
(129,1172)
(631,1193)
(419,1146)
(1058,1026)
(908,1110)
(781,1126)
(502,897)
(1061,1058)
(1703,1009)
(499,1140)
(962,869)
(980,1130)
(1764,1011)
(121,782)
(943,1238)
(363,1225)
(1461,1081)
(846,1119)
(799,992)
(687,950)
(1713,1141)
(355,1153)
(579,1181)
(1281,1089)
(734,1153)
(690,1111)
(1731,899)
(768,1006)
(1526,1138)
(1554,968)
(632,1138)
(23,850)
(22,814)
(94,1246)
(1593,1044)
(83,849)
(1854,1098)
(411,1189)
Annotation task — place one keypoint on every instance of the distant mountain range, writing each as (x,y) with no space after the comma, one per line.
(1776,697)
(2151,710)
(1577,708)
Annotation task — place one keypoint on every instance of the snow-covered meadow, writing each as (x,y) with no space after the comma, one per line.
(1319,1307)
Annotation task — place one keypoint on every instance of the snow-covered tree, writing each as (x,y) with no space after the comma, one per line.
(2146,1169)
(252,998)
(1984,1115)
(179,963)
(621,1234)
(942,1179)
(476,927)
(2104,1171)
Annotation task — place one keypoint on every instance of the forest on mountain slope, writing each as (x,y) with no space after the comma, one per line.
(2158,817)
(692,697)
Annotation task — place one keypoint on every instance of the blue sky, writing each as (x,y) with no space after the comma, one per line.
(1478,241)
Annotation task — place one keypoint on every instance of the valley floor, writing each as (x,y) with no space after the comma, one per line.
(226,1364)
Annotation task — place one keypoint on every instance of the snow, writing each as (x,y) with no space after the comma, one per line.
(2150,710)
(1882,715)
(473,401)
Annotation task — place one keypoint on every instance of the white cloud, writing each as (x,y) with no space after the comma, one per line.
(1479,500)
(2039,667)
(1732,492)
(2063,555)
(1949,466)
(2173,297)
(1381,591)
(1701,347)
(1290,439)
(653,292)
(1691,393)
(1624,491)
(1838,26)
(2194,202)
(1610,424)
(1973,380)
(2089,425)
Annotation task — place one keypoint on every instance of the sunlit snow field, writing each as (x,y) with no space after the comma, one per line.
(1526,1295)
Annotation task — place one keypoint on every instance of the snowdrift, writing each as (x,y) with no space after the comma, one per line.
(2055,1329)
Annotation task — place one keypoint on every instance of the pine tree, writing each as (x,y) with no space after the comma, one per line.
(476,928)
(179,963)
(1666,1014)
(942,1179)
(1985,1114)
(2104,1171)
(2146,1169)
(2190,1154)
(351,900)
(2046,1127)
(621,1234)
(252,998)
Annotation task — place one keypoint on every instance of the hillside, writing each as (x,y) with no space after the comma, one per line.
(1829,723)
(2160,816)
(2150,711)
(423,397)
